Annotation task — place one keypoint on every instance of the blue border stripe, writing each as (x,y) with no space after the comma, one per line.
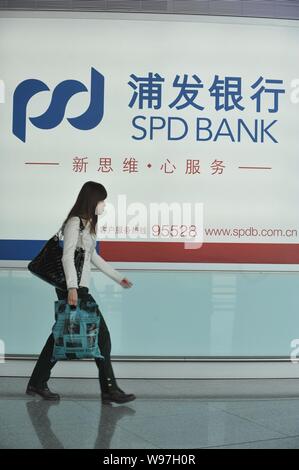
(23,249)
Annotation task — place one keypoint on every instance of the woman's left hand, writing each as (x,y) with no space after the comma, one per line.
(126,283)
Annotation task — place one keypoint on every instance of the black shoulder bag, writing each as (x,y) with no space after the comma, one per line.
(47,265)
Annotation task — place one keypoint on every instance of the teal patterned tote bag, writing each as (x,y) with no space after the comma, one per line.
(76,330)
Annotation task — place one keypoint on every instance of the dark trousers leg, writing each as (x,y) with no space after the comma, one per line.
(42,370)
(106,375)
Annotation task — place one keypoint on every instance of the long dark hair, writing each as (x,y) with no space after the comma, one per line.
(90,194)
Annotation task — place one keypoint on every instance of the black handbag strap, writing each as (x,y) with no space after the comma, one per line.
(81,228)
(81,224)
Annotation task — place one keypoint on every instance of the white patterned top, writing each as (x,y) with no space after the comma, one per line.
(72,240)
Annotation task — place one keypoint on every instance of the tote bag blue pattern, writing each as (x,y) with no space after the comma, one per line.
(76,330)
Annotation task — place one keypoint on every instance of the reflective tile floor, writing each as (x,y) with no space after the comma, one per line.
(167,414)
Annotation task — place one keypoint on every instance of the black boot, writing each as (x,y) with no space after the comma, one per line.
(43,391)
(117,396)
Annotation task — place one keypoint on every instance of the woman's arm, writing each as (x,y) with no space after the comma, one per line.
(105,267)
(70,239)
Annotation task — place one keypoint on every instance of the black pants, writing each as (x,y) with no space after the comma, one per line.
(42,370)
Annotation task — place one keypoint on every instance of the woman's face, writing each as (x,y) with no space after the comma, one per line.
(100,207)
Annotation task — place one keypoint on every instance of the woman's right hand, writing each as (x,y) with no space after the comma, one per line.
(126,283)
(72,298)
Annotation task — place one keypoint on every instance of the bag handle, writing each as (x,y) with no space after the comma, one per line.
(59,232)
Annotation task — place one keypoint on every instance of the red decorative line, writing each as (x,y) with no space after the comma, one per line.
(257,167)
(172,252)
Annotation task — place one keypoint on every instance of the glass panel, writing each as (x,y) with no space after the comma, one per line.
(166,313)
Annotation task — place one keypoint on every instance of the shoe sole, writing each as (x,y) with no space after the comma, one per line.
(107,401)
(33,394)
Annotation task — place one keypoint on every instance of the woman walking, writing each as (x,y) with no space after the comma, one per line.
(89,205)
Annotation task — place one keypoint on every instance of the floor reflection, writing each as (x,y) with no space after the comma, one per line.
(109,416)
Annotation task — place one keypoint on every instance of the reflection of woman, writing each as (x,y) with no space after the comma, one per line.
(89,204)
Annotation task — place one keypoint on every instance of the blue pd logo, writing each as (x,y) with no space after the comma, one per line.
(56,110)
